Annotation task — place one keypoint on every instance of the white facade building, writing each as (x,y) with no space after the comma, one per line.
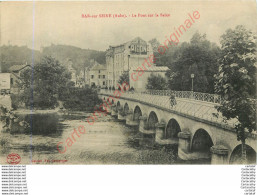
(139,80)
(96,75)
(125,57)
(5,83)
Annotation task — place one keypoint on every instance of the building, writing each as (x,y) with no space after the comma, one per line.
(88,66)
(16,71)
(71,70)
(139,80)
(129,57)
(96,75)
(80,79)
(124,57)
(5,83)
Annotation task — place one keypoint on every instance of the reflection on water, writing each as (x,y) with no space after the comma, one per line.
(43,124)
(106,142)
(40,124)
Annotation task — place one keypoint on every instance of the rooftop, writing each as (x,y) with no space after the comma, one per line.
(17,67)
(98,67)
(154,69)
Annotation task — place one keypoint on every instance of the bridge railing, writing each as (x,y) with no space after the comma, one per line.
(206,97)
(198,110)
(162,99)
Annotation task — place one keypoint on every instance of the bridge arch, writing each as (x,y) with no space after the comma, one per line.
(201,141)
(152,120)
(126,108)
(172,129)
(118,105)
(235,157)
(137,113)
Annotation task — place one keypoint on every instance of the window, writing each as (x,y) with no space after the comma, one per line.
(103,76)
(99,76)
(11,81)
(99,71)
(92,76)
(103,82)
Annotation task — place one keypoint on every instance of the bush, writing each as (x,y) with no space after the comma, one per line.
(15,101)
(131,89)
(93,85)
(124,78)
(156,82)
(81,99)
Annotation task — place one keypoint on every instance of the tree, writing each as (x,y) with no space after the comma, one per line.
(161,59)
(236,81)
(124,78)
(155,44)
(199,57)
(81,99)
(156,82)
(42,85)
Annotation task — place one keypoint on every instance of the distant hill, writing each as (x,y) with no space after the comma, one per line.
(79,57)
(13,55)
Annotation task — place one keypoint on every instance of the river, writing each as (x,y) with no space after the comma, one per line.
(107,141)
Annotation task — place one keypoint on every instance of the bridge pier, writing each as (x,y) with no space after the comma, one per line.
(219,154)
(161,137)
(121,115)
(184,145)
(129,119)
(114,111)
(199,141)
(142,123)
(144,126)
(186,152)
(159,131)
(109,111)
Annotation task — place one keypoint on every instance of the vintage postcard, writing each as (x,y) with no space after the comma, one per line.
(128,82)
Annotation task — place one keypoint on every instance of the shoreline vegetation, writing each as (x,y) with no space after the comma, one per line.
(54,95)
(52,89)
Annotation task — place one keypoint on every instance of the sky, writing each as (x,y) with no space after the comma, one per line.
(40,24)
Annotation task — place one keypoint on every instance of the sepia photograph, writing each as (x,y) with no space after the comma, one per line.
(128,83)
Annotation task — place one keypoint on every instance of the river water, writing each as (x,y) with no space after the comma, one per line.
(107,141)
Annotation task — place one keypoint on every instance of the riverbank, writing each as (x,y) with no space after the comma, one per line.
(106,142)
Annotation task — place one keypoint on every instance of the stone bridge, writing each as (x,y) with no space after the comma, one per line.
(190,120)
